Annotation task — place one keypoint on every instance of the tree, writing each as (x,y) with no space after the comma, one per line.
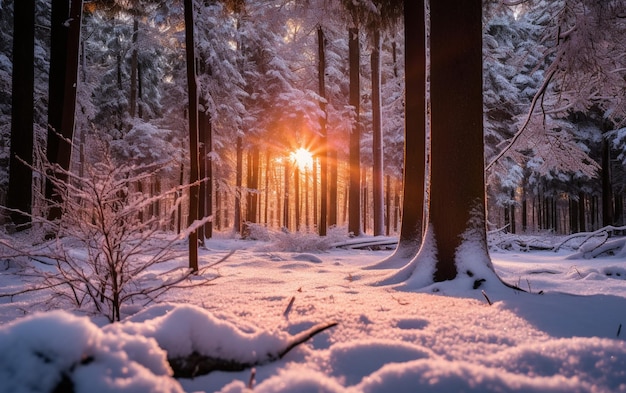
(354,205)
(193,132)
(64,54)
(19,198)
(321,75)
(455,244)
(412,225)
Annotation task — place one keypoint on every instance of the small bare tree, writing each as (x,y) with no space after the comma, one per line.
(103,246)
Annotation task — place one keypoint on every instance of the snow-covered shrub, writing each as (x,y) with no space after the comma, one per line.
(105,243)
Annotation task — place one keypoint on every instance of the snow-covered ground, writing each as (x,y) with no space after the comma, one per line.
(564,334)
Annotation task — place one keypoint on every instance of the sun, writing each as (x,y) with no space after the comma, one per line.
(302,158)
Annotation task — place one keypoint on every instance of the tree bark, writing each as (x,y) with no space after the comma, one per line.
(323,154)
(333,189)
(19,196)
(377,130)
(411,227)
(354,214)
(457,178)
(455,243)
(132,107)
(607,185)
(64,59)
(238,185)
(193,132)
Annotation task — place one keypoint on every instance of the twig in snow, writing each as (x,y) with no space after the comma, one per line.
(486,297)
(222,259)
(251,380)
(288,309)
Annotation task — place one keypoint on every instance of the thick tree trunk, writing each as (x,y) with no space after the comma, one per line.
(19,195)
(457,178)
(193,132)
(455,243)
(377,150)
(354,214)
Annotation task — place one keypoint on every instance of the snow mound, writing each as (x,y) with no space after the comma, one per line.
(68,352)
(184,329)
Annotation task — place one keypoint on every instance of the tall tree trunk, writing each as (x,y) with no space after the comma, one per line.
(607,185)
(202,131)
(193,132)
(132,103)
(286,197)
(582,226)
(456,237)
(296,183)
(64,59)
(20,190)
(412,224)
(238,185)
(323,154)
(377,130)
(333,189)
(457,204)
(354,214)
(208,162)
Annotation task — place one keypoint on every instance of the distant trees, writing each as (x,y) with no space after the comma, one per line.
(260,98)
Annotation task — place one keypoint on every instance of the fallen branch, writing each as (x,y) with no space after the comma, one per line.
(196,364)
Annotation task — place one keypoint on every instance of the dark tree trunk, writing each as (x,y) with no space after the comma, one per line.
(19,195)
(193,132)
(411,226)
(582,226)
(354,214)
(457,178)
(208,162)
(286,198)
(377,130)
(323,154)
(607,185)
(202,131)
(333,190)
(296,183)
(238,185)
(512,212)
(132,107)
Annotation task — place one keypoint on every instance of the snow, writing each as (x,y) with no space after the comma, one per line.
(564,334)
